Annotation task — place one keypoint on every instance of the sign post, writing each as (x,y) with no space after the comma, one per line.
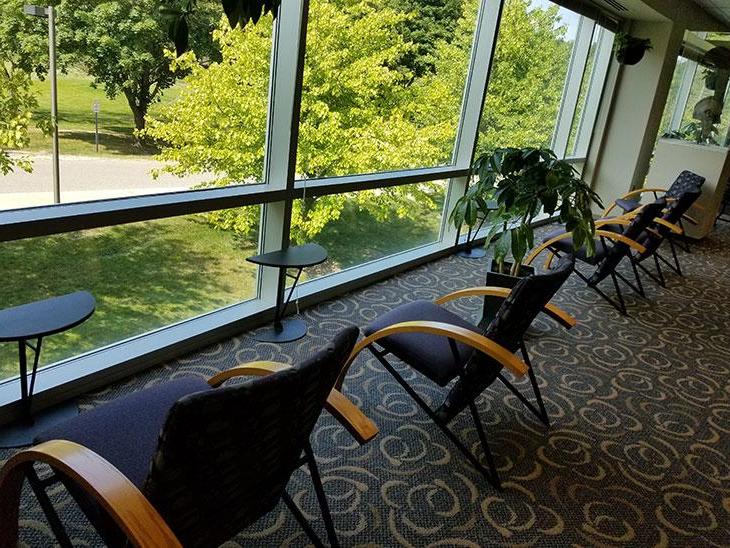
(50,13)
(95,108)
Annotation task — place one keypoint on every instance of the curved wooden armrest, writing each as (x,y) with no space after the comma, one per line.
(250,369)
(347,413)
(615,236)
(620,220)
(355,421)
(461,334)
(629,195)
(671,226)
(122,501)
(559,315)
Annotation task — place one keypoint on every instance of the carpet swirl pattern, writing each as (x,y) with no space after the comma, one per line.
(637,452)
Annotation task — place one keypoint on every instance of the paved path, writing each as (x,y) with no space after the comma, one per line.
(87,178)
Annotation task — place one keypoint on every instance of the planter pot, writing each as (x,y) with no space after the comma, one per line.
(497,279)
(630,55)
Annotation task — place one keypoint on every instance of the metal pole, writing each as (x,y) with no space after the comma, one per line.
(96,134)
(54,101)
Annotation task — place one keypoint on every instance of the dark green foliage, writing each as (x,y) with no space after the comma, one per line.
(430,22)
(524,182)
(238,12)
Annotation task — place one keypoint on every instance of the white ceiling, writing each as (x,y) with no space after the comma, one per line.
(719,8)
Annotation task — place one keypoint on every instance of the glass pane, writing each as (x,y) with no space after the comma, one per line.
(359,227)
(143,275)
(133,119)
(586,82)
(530,65)
(680,69)
(383,85)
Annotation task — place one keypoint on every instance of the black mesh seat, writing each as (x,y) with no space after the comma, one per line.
(686,181)
(425,336)
(211,460)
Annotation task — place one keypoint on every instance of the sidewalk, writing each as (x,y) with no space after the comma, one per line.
(88,178)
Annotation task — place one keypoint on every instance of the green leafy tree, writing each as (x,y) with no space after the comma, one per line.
(357,114)
(23,51)
(429,23)
(528,75)
(123,45)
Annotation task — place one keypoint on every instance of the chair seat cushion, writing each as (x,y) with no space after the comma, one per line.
(428,354)
(125,431)
(628,204)
(566,246)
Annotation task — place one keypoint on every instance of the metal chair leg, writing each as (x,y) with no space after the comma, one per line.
(302,521)
(636,276)
(47,506)
(494,481)
(659,272)
(321,497)
(622,304)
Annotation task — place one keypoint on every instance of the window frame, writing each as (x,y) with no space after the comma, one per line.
(275,194)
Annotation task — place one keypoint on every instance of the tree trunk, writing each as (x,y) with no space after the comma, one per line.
(138,104)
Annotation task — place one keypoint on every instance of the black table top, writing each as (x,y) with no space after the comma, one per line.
(298,256)
(41,318)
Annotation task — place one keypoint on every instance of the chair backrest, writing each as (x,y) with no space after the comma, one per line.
(225,455)
(676,207)
(618,250)
(525,301)
(685,182)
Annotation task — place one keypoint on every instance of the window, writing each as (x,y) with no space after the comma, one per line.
(587,81)
(382,87)
(530,65)
(359,227)
(144,276)
(199,123)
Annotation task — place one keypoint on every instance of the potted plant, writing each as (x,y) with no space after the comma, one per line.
(628,49)
(523,182)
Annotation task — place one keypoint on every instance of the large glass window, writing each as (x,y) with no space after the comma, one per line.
(132,118)
(383,84)
(588,80)
(359,227)
(530,65)
(144,276)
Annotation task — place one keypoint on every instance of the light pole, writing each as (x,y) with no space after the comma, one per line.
(50,13)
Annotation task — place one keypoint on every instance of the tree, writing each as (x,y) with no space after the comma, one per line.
(430,22)
(357,114)
(122,45)
(362,109)
(527,79)
(23,51)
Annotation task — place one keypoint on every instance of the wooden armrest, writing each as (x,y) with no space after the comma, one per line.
(602,233)
(620,220)
(250,369)
(629,195)
(461,334)
(658,220)
(350,416)
(122,501)
(559,315)
(354,420)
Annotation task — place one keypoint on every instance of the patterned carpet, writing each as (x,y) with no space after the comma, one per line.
(637,452)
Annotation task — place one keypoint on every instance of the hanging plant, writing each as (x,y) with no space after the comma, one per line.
(238,12)
(710,78)
(628,49)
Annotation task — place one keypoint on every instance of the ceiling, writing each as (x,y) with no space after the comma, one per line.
(719,8)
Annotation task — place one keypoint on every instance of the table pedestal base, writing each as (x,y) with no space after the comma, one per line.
(473,253)
(285,331)
(22,432)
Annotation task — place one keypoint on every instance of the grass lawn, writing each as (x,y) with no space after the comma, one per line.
(148,275)
(76,120)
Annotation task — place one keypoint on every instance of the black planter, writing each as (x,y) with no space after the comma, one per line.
(497,279)
(630,55)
